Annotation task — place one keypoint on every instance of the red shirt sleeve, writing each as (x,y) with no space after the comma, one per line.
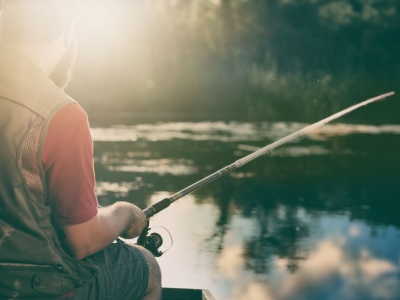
(68,164)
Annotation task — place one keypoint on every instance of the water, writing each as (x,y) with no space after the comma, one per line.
(316,219)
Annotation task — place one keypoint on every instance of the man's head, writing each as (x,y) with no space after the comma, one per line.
(37,23)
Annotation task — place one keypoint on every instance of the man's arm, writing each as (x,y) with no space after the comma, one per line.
(120,219)
(68,162)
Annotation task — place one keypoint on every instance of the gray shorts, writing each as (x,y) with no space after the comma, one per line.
(123,274)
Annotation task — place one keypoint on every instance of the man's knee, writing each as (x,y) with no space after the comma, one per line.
(152,262)
(154,270)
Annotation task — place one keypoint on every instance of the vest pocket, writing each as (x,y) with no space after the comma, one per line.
(29,281)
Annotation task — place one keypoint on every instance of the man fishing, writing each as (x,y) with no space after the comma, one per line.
(54,240)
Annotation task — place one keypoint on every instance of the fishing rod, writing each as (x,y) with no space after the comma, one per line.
(153,241)
(164,203)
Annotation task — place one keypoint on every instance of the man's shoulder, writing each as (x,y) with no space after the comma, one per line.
(22,82)
(68,131)
(71,112)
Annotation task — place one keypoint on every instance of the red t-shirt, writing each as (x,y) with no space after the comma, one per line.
(68,164)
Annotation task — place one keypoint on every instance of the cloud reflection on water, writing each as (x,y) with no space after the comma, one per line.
(340,262)
(331,271)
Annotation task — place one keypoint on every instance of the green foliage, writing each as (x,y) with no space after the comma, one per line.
(237,57)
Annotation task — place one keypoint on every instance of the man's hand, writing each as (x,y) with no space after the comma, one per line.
(137,225)
(120,219)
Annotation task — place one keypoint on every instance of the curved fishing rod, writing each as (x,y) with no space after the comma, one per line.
(162,204)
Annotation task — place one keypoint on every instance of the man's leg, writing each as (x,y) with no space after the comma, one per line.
(153,291)
(125,272)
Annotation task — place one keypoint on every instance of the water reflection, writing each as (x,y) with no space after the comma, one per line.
(229,131)
(159,166)
(338,259)
(317,219)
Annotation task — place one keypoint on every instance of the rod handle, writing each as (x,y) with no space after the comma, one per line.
(157,207)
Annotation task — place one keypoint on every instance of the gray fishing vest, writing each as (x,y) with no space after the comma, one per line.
(32,262)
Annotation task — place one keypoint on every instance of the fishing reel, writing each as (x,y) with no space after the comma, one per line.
(153,241)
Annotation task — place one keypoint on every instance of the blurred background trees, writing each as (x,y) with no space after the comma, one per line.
(253,59)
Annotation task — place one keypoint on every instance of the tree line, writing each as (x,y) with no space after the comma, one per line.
(276,59)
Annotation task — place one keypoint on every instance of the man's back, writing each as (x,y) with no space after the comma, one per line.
(28,100)
(45,252)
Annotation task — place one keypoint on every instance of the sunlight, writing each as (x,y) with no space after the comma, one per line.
(100,19)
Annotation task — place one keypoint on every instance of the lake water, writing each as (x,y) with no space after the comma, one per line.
(318,218)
